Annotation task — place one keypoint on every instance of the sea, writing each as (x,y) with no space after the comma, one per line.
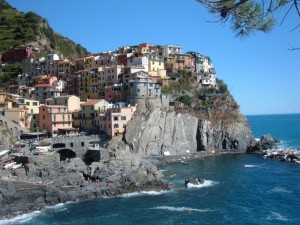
(237,189)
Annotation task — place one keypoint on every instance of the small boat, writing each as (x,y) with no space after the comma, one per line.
(16,166)
(183,162)
(40,149)
(3,153)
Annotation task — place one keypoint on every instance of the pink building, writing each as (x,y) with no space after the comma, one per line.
(114,120)
(54,117)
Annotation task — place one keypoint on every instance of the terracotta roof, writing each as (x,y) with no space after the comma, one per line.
(91,102)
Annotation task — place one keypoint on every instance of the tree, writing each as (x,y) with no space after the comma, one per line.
(247,16)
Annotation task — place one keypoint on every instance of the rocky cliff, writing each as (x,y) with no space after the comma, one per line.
(156,130)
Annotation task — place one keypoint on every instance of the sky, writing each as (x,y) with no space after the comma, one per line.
(261,73)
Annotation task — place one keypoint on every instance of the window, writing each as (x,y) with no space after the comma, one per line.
(34,103)
(31,110)
(82,143)
(138,90)
(43,116)
(54,117)
(116,118)
(116,125)
(33,117)
(123,117)
(27,103)
(71,144)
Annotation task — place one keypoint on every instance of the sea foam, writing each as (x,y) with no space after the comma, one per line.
(134,194)
(280,190)
(182,209)
(207,183)
(250,166)
(20,219)
(277,216)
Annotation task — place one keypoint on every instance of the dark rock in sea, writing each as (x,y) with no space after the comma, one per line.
(265,142)
(193,181)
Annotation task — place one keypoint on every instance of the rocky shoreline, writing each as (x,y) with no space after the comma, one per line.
(45,180)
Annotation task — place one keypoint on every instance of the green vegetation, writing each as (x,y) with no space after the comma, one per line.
(247,16)
(186,99)
(213,103)
(9,71)
(17,28)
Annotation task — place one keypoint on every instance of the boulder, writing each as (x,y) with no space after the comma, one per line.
(265,142)
(194,181)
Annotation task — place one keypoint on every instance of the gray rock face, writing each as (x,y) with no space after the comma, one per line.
(157,132)
(46,180)
(265,142)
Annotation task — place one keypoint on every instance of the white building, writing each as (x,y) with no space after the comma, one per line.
(171,49)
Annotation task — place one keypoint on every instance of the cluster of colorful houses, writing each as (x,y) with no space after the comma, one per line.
(99,92)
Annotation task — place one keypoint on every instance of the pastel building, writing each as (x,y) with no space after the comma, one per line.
(113,121)
(71,101)
(208,80)
(52,118)
(65,69)
(171,49)
(44,91)
(183,61)
(32,113)
(108,76)
(141,61)
(88,84)
(89,113)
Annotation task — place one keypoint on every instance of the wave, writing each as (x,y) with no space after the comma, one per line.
(280,190)
(207,183)
(20,219)
(134,194)
(182,209)
(251,166)
(277,216)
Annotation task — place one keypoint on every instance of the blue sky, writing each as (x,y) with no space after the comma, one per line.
(261,73)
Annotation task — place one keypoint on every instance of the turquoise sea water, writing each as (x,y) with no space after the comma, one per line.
(238,189)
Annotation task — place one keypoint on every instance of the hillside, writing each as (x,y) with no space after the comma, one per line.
(18,28)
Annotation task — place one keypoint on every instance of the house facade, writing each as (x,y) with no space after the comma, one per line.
(89,112)
(113,121)
(54,117)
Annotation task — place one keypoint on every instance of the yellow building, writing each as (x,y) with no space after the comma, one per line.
(156,63)
(89,115)
(33,113)
(88,84)
(65,69)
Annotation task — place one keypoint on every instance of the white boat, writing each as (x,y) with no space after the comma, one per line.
(40,149)
(3,153)
(16,166)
